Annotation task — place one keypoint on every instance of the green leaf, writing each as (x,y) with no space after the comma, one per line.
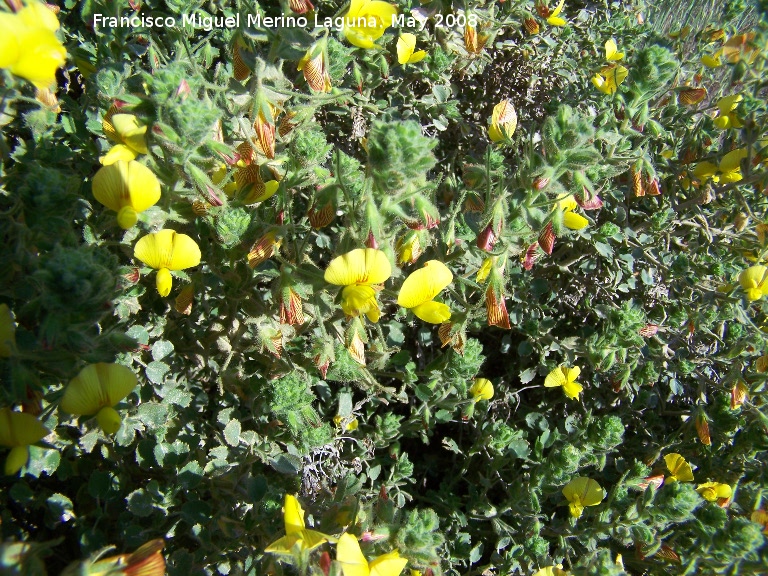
(140,503)
(232,433)
(286,464)
(153,414)
(161,349)
(191,475)
(156,371)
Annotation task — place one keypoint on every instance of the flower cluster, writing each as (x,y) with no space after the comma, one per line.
(611,76)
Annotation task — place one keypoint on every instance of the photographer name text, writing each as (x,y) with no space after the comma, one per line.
(209,23)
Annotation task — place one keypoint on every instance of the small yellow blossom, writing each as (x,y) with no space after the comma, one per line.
(18,431)
(611,51)
(726,116)
(164,251)
(571,219)
(358,271)
(554,18)
(95,390)
(485,269)
(406,49)
(129,134)
(679,469)
(420,288)
(729,169)
(296,532)
(482,389)
(712,60)
(350,425)
(127,188)
(610,78)
(754,281)
(29,47)
(712,491)
(366,21)
(581,492)
(565,377)
(7,332)
(503,121)
(353,563)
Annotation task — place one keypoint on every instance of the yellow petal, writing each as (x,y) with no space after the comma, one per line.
(164,282)
(712,61)
(574,221)
(485,270)
(482,389)
(131,132)
(360,266)
(109,420)
(283,545)
(572,390)
(584,490)
(167,249)
(293,515)
(424,284)
(731,162)
(557,377)
(705,170)
(126,184)
(406,45)
(96,386)
(611,51)
(17,458)
(351,558)
(117,152)
(678,467)
(390,564)
(20,429)
(713,490)
(9,43)
(36,14)
(432,312)
(357,299)
(40,55)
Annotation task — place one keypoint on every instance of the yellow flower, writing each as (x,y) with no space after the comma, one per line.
(350,424)
(554,18)
(28,44)
(581,492)
(315,68)
(609,78)
(420,288)
(611,51)
(127,188)
(95,390)
(712,491)
(551,571)
(565,377)
(353,563)
(482,389)
(503,121)
(129,135)
(406,49)
(729,169)
(571,219)
(713,60)
(164,251)
(17,432)
(485,269)
(366,21)
(296,532)
(7,332)
(358,271)
(754,282)
(679,469)
(726,117)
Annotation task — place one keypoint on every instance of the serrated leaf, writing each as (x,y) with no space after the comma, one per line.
(161,349)
(232,433)
(140,503)
(156,371)
(153,414)
(191,475)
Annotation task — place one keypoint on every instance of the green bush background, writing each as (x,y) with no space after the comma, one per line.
(224,424)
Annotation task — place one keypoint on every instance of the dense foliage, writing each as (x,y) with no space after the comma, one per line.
(479,292)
